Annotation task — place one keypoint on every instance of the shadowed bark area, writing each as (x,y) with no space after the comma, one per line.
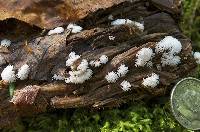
(46,56)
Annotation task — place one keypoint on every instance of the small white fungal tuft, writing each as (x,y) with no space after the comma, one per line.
(81,77)
(170,45)
(111,37)
(125,85)
(83,66)
(23,72)
(121,22)
(72,58)
(75,28)
(169,59)
(151,81)
(144,56)
(5,42)
(122,70)
(112,77)
(8,74)
(103,59)
(58,77)
(2,60)
(127,21)
(81,74)
(97,63)
(197,57)
(56,30)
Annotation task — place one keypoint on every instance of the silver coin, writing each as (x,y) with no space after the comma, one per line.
(185,103)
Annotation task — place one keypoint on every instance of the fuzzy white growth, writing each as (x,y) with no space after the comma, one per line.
(169,44)
(103,59)
(72,58)
(23,72)
(97,63)
(56,30)
(197,57)
(80,75)
(5,42)
(57,77)
(127,21)
(112,77)
(122,70)
(151,81)
(121,22)
(111,37)
(125,85)
(83,66)
(144,56)
(2,60)
(8,74)
(169,59)
(75,28)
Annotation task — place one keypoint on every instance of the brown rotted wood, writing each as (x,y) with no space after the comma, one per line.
(46,56)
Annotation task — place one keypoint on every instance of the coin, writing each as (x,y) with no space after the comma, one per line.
(185,103)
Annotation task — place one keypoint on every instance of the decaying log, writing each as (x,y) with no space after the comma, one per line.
(46,56)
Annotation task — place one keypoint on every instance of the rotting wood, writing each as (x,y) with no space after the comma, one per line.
(50,53)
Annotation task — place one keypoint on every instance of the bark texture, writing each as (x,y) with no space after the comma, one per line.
(46,56)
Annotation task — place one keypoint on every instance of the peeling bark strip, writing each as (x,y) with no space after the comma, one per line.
(25,96)
(47,55)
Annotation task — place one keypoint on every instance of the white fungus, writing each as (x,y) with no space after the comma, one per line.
(144,56)
(8,74)
(111,37)
(81,77)
(5,42)
(103,59)
(97,63)
(125,85)
(83,66)
(170,59)
(81,74)
(127,21)
(75,28)
(197,57)
(170,45)
(2,60)
(122,70)
(121,22)
(56,30)
(151,81)
(23,72)
(72,58)
(57,77)
(112,77)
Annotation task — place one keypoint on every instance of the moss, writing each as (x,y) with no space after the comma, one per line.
(190,23)
(133,117)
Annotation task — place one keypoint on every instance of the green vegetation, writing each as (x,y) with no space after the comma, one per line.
(133,117)
(191,21)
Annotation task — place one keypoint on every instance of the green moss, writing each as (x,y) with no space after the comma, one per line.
(134,117)
(191,21)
